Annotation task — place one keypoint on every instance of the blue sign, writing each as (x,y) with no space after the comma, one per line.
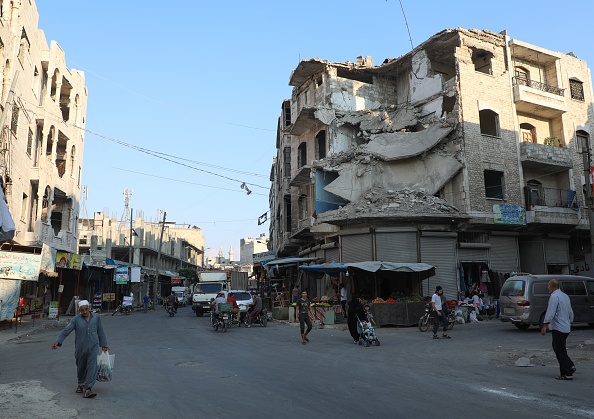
(509,214)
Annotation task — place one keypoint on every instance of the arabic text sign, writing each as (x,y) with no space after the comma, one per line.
(508,214)
(121,275)
(15,265)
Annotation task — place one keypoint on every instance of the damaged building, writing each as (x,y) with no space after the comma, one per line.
(467,153)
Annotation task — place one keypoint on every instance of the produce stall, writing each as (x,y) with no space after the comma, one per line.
(398,313)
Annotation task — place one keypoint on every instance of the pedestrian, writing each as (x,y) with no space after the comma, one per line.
(343,299)
(303,311)
(146,299)
(295,293)
(89,335)
(439,314)
(558,318)
(355,312)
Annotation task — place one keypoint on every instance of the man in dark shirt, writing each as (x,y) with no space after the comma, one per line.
(303,312)
(257,309)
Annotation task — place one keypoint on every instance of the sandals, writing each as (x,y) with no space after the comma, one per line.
(89,394)
(306,339)
(446,336)
(564,377)
(79,389)
(304,343)
(435,337)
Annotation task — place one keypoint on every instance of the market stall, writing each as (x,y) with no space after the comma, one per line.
(398,313)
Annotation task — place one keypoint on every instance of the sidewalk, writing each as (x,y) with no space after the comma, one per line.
(26,326)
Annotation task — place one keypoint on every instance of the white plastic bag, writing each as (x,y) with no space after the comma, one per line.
(105,366)
(473,318)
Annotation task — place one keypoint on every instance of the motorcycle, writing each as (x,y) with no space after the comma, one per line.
(261,318)
(427,319)
(222,321)
(123,309)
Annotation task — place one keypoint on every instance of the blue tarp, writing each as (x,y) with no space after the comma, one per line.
(331,268)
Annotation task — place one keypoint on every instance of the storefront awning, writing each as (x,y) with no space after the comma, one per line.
(331,268)
(287,261)
(374,266)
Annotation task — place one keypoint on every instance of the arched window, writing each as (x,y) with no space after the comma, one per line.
(522,76)
(583,141)
(321,145)
(576,88)
(302,155)
(482,61)
(528,133)
(489,121)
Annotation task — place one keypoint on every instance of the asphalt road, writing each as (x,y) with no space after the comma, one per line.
(179,367)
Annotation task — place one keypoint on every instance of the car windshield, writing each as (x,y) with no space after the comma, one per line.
(512,288)
(210,288)
(241,296)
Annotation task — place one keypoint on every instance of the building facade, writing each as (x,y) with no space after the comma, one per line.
(249,245)
(470,153)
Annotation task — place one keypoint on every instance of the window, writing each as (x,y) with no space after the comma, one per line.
(528,133)
(540,288)
(24,203)
(573,287)
(287,112)
(482,61)
(29,142)
(494,184)
(522,76)
(489,121)
(576,88)
(512,288)
(287,161)
(14,120)
(583,141)
(321,145)
(302,155)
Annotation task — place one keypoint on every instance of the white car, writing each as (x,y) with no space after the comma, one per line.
(243,298)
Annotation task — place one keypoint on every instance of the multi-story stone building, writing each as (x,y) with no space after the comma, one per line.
(249,245)
(182,247)
(468,153)
(43,105)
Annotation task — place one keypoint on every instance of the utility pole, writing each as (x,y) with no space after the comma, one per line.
(159,256)
(130,258)
(584,144)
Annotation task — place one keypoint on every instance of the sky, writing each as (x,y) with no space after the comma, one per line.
(198,86)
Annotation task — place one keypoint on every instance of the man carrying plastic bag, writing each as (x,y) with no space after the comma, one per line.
(105,366)
(89,336)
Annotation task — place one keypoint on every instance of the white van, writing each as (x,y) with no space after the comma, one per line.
(524,298)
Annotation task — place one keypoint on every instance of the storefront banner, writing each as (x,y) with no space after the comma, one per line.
(98,258)
(508,214)
(16,265)
(68,260)
(135,274)
(48,259)
(176,280)
(121,275)
(9,298)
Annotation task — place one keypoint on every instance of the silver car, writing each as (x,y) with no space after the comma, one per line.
(524,298)
(243,298)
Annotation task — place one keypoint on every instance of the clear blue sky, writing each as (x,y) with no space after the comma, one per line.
(204,81)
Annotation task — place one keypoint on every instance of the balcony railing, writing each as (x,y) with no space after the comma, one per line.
(521,81)
(549,197)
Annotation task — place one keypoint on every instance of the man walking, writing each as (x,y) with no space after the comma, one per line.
(302,306)
(145,300)
(558,318)
(439,314)
(89,336)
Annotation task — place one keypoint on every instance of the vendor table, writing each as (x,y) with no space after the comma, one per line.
(397,314)
(318,313)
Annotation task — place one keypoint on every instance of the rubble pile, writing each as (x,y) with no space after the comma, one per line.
(396,203)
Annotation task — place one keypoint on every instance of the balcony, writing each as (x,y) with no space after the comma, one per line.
(302,177)
(551,206)
(545,158)
(537,98)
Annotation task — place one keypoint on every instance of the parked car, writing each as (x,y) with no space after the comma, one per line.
(524,298)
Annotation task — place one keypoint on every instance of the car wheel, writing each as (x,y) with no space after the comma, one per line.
(522,326)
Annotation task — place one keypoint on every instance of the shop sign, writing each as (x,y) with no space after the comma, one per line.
(16,265)
(109,296)
(53,310)
(98,257)
(68,260)
(135,274)
(509,214)
(264,256)
(176,280)
(121,275)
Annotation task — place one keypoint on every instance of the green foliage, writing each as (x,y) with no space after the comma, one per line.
(190,274)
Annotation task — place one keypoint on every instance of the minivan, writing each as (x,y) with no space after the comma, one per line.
(524,298)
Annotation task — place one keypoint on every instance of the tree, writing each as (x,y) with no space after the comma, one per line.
(190,274)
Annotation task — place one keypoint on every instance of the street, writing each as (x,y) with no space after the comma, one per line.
(179,367)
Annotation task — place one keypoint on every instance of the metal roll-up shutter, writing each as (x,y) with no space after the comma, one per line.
(441,253)
(556,251)
(396,247)
(473,255)
(333,255)
(356,248)
(503,255)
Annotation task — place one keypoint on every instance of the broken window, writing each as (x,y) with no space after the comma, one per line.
(65,90)
(287,161)
(302,155)
(319,81)
(494,184)
(287,112)
(288,220)
(321,145)
(33,208)
(38,141)
(54,86)
(24,203)
(302,206)
(482,61)
(43,84)
(50,143)
(528,133)
(577,89)
(45,203)
(534,192)
(489,121)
